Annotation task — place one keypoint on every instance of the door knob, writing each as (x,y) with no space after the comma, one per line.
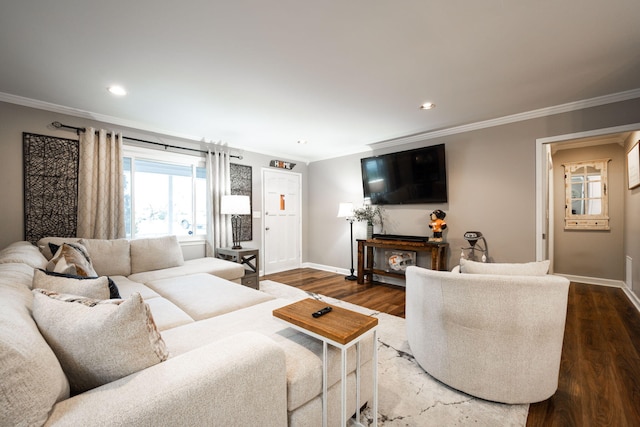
(267,228)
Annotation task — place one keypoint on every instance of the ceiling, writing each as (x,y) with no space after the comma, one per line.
(341,75)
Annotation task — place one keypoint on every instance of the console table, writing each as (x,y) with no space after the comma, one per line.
(366,271)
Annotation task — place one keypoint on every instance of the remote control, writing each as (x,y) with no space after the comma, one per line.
(321,312)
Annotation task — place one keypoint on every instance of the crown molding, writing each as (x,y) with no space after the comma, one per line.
(542,112)
(75,112)
(534,114)
(55,108)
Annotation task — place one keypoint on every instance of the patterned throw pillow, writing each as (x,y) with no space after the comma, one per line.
(72,258)
(114,292)
(98,341)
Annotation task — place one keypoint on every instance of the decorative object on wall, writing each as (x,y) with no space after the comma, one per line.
(586,195)
(282,164)
(50,186)
(236,206)
(633,166)
(241,185)
(345,210)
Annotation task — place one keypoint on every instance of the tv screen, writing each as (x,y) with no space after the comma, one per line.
(413,176)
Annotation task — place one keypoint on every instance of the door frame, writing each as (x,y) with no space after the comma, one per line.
(542,183)
(263,233)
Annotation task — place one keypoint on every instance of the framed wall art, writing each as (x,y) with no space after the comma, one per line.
(50,186)
(241,184)
(633,166)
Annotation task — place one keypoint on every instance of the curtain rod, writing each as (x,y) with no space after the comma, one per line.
(78,130)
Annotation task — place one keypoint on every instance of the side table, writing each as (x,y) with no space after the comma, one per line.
(249,258)
(340,328)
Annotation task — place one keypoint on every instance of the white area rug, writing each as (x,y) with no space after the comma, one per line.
(407,395)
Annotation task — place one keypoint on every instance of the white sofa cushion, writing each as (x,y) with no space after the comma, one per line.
(97,288)
(128,287)
(166,314)
(32,380)
(218,267)
(536,268)
(203,295)
(23,252)
(96,341)
(155,254)
(109,257)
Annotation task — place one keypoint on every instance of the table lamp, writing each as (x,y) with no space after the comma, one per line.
(235,206)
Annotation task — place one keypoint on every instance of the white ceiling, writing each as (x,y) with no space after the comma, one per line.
(261,75)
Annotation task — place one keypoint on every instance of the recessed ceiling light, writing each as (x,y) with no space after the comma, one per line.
(117,90)
(428,106)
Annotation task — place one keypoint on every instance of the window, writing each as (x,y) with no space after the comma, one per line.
(164,196)
(587,200)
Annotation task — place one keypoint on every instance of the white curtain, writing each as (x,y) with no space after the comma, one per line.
(100,185)
(219,184)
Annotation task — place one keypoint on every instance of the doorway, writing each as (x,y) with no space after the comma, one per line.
(546,239)
(282,229)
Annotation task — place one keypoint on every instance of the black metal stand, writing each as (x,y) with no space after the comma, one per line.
(351,276)
(236,223)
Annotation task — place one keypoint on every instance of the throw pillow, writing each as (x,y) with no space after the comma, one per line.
(31,379)
(72,258)
(109,257)
(98,341)
(97,288)
(155,254)
(114,292)
(23,253)
(536,268)
(45,247)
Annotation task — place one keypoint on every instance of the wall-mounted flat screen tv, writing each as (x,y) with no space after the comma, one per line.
(413,176)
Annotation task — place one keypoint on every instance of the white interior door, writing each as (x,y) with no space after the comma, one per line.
(282,220)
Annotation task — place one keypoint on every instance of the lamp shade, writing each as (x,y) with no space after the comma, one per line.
(345,210)
(235,205)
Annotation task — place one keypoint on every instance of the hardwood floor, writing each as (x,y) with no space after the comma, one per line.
(599,382)
(384,298)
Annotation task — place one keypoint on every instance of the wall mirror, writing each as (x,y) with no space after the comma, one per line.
(586,195)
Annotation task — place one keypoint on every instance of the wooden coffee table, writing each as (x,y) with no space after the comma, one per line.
(340,328)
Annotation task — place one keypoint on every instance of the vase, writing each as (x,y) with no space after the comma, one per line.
(369,231)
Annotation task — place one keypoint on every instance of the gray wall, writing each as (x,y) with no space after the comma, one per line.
(491,176)
(492,187)
(15,119)
(632,224)
(598,254)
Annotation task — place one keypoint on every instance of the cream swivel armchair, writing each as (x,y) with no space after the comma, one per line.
(494,336)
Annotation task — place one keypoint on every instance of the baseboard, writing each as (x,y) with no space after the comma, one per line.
(632,297)
(593,280)
(329,268)
(346,272)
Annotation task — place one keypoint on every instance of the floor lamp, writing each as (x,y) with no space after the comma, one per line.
(345,210)
(235,206)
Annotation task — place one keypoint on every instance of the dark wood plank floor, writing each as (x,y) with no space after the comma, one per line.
(599,382)
(384,298)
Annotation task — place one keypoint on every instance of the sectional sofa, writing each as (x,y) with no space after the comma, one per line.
(184,344)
